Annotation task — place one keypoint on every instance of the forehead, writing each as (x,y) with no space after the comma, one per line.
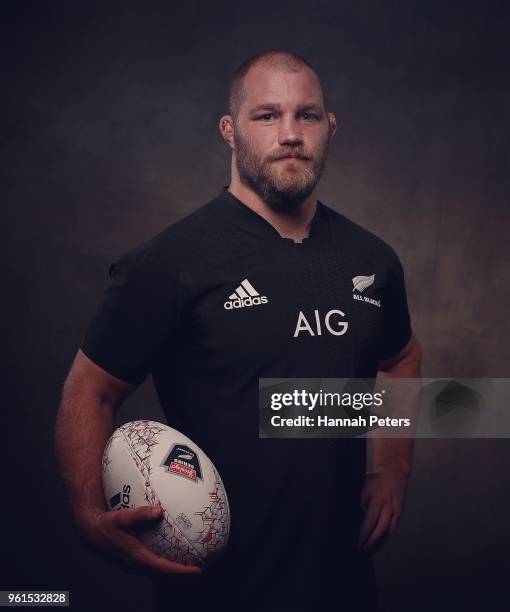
(275,85)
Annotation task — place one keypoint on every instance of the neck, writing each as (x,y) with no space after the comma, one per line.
(294,224)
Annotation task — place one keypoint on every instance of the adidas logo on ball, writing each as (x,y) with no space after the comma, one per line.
(121,499)
(245,295)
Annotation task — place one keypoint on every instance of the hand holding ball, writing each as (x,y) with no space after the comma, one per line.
(148,463)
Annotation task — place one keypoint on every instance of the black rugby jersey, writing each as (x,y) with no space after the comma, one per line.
(207,307)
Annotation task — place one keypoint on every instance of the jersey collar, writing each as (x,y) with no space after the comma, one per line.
(250,222)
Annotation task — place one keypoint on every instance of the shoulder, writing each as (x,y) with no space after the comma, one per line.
(358,240)
(185,240)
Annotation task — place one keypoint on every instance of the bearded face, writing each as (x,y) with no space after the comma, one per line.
(285,177)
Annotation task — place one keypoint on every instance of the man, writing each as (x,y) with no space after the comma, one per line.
(182,307)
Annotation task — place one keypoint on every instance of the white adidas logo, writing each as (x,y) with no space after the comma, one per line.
(245,295)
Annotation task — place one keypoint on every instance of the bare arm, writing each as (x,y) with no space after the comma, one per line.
(90,399)
(397,452)
(390,459)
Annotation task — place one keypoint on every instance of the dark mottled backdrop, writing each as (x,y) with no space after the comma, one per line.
(109,133)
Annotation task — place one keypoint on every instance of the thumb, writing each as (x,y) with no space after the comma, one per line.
(132,517)
(365,498)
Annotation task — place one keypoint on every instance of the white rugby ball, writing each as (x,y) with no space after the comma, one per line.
(148,463)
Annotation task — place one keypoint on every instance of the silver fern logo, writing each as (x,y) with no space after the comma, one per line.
(362,282)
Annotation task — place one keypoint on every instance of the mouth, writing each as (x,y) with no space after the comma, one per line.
(291,158)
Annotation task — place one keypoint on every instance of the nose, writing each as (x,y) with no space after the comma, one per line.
(289,132)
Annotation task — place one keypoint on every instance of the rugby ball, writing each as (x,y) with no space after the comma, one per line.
(148,463)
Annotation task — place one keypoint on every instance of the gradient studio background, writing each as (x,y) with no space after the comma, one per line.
(110,134)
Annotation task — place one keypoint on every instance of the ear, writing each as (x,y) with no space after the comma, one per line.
(332,124)
(226,126)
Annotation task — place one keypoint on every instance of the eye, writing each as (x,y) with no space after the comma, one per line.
(266,116)
(310,117)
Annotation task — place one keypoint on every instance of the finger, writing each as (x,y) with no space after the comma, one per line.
(394,522)
(365,497)
(382,526)
(370,521)
(145,558)
(364,503)
(139,555)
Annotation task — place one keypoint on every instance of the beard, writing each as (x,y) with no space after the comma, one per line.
(281,188)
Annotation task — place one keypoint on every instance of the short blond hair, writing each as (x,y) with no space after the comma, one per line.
(279,59)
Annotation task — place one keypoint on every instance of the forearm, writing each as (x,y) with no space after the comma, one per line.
(396,452)
(84,424)
(391,454)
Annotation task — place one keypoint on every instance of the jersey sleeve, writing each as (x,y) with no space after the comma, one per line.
(396,331)
(135,319)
